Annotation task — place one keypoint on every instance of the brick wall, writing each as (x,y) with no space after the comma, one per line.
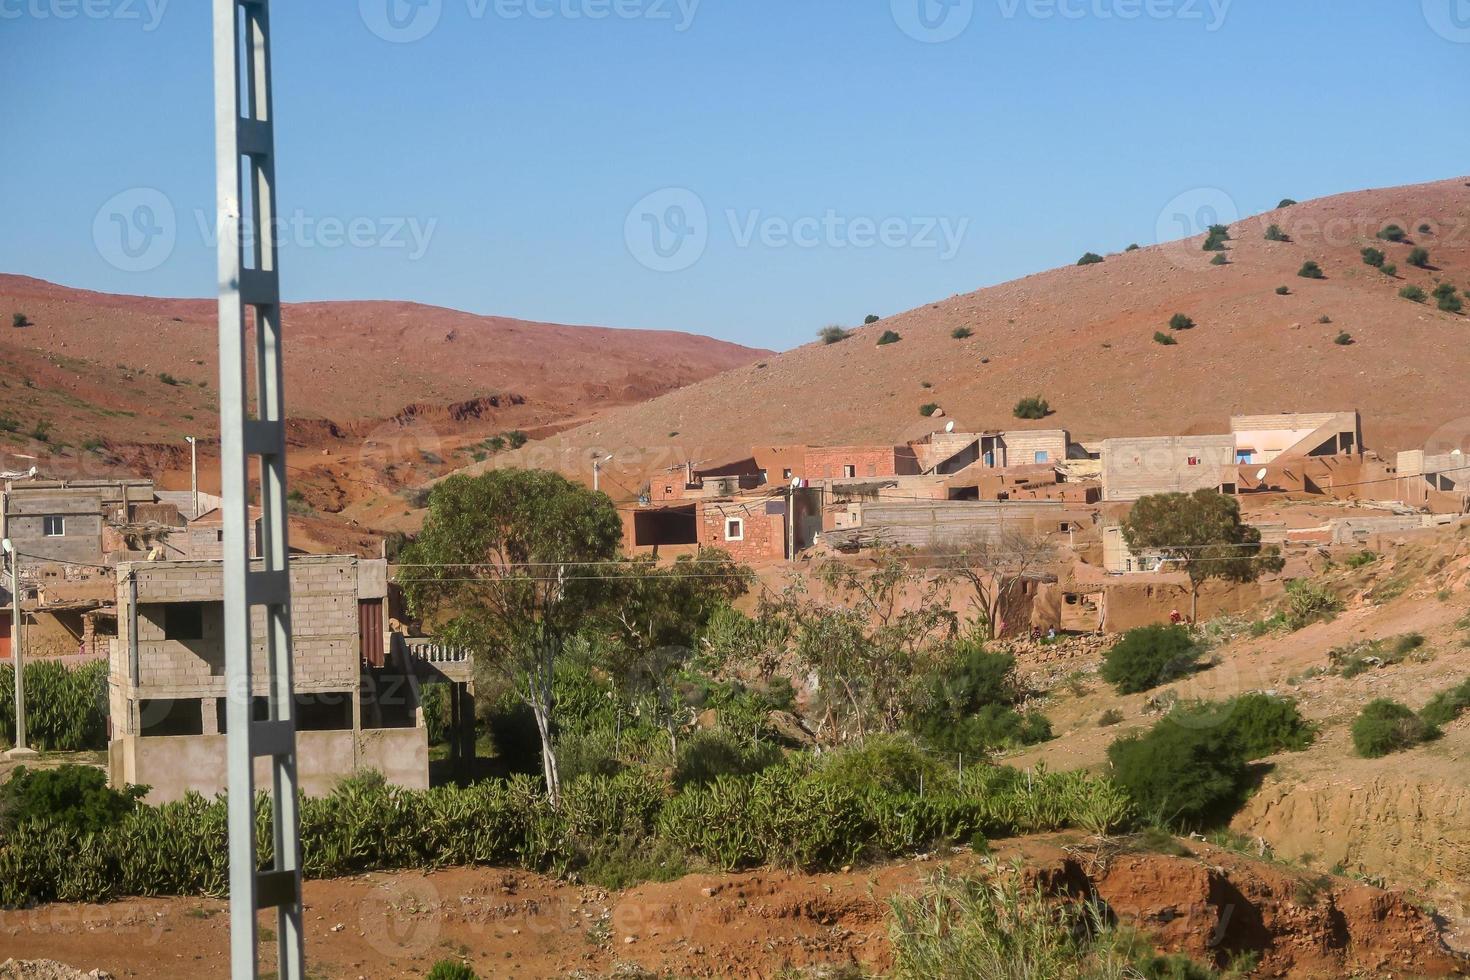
(324,627)
(762,536)
(830,462)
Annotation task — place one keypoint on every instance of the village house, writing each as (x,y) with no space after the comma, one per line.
(1139,467)
(752,527)
(356,691)
(1438,483)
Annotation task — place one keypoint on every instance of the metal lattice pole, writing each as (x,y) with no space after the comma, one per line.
(249,277)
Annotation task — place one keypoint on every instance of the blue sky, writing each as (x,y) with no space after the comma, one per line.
(752,170)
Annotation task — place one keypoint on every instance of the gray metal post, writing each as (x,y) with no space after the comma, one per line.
(245,161)
(17,657)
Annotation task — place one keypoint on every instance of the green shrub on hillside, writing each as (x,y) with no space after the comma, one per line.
(1446,706)
(1419,258)
(19,320)
(1286,202)
(1257,724)
(961,333)
(707,755)
(1090,258)
(1393,233)
(1149,656)
(1413,294)
(890,763)
(1180,322)
(889,337)
(1343,339)
(1275,234)
(1216,238)
(1386,726)
(1283,290)
(1034,407)
(1162,338)
(870,319)
(1374,257)
(1220,259)
(1390,270)
(1311,270)
(1444,293)
(928,409)
(1181,777)
(833,333)
(451,970)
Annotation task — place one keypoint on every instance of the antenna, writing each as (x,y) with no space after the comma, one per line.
(949,426)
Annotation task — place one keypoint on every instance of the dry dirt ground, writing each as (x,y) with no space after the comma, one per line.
(1207,902)
(1405,817)
(1082,338)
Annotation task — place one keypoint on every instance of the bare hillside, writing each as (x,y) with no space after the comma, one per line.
(1082,337)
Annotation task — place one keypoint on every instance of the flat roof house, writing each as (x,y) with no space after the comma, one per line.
(1134,468)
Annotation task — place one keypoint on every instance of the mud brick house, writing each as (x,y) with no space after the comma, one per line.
(751,527)
(355,709)
(811,464)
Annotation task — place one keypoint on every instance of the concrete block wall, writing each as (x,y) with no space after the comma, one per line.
(1134,468)
(763,535)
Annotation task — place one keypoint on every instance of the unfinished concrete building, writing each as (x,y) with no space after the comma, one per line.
(355,708)
(1134,468)
(1438,483)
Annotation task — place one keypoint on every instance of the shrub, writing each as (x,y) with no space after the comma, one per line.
(1360,558)
(1374,257)
(168,379)
(1109,718)
(1257,724)
(833,333)
(707,755)
(1178,776)
(1132,248)
(1413,294)
(889,337)
(8,424)
(1425,229)
(871,318)
(1419,258)
(891,763)
(66,707)
(1149,656)
(1180,322)
(1446,706)
(1392,233)
(515,439)
(74,796)
(1162,338)
(1275,234)
(928,409)
(1343,339)
(1286,202)
(451,970)
(1307,603)
(1034,407)
(1386,726)
(41,431)
(1444,293)
(961,333)
(1090,258)
(1220,259)
(1390,270)
(1324,319)
(1310,270)
(1283,290)
(19,320)
(1216,238)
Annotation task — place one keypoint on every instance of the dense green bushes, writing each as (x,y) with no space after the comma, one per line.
(1257,724)
(451,970)
(66,707)
(1149,656)
(1386,726)
(1448,705)
(791,815)
(1181,776)
(969,706)
(1034,407)
(75,796)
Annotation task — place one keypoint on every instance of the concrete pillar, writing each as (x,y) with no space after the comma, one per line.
(209,714)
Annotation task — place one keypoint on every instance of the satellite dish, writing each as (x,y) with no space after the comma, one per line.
(796,483)
(949,426)
(1261,473)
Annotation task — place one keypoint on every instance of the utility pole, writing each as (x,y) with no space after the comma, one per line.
(597,471)
(21,750)
(194,471)
(245,160)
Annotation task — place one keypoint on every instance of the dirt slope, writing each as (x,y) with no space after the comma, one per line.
(1082,337)
(90,363)
(1209,903)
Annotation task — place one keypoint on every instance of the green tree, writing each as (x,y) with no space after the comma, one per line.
(505,566)
(655,616)
(995,568)
(1374,257)
(1090,258)
(1202,532)
(1419,258)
